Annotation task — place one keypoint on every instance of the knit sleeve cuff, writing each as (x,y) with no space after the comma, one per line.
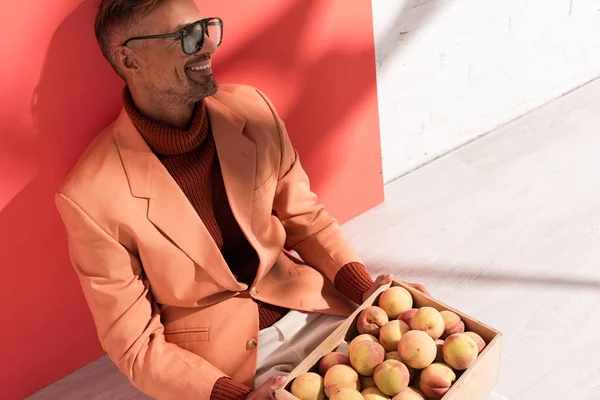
(353,280)
(227,389)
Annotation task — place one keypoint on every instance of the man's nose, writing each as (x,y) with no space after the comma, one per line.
(209,45)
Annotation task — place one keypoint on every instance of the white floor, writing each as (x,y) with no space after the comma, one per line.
(506,229)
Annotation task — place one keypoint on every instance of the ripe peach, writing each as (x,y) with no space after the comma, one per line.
(347,394)
(361,338)
(393,355)
(390,334)
(366,382)
(365,356)
(391,377)
(478,339)
(410,393)
(440,352)
(370,320)
(395,300)
(374,394)
(452,323)
(331,359)
(417,349)
(308,386)
(436,380)
(338,377)
(406,316)
(460,351)
(429,320)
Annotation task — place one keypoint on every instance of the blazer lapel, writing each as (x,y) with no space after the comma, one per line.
(168,207)
(237,158)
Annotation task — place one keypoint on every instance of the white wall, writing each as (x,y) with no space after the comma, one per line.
(449,71)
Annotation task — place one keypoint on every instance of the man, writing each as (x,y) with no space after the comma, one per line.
(183,214)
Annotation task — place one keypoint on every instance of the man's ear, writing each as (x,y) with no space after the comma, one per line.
(126,59)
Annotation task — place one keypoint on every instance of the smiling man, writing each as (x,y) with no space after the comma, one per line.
(186,215)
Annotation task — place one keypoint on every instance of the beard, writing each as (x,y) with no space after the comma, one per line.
(197,90)
(191,92)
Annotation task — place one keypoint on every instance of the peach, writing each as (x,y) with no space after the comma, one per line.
(460,351)
(331,359)
(370,320)
(391,377)
(361,338)
(428,320)
(440,351)
(390,334)
(393,355)
(395,300)
(374,394)
(308,386)
(452,323)
(436,380)
(339,377)
(406,316)
(366,382)
(347,394)
(365,356)
(417,349)
(410,393)
(478,339)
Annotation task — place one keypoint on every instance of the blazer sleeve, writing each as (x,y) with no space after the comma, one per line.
(126,318)
(311,231)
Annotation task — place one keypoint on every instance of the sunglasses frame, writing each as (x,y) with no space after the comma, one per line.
(182,33)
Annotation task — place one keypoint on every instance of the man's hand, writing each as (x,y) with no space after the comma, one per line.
(268,390)
(387,278)
(417,286)
(381,280)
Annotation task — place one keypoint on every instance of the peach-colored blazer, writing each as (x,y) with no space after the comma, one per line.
(167,309)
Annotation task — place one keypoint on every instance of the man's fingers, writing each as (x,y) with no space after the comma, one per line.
(271,385)
(384,279)
(420,288)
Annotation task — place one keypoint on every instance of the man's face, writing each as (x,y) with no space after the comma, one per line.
(164,69)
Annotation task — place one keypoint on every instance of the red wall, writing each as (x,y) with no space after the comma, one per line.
(314,59)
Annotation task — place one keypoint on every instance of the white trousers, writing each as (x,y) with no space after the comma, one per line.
(287,342)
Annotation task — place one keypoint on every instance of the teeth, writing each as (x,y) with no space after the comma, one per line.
(200,68)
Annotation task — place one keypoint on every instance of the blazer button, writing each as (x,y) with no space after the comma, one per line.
(252,343)
(254,291)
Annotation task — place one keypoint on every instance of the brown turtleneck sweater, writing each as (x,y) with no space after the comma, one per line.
(190,157)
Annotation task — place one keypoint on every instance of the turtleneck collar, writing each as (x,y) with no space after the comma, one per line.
(165,139)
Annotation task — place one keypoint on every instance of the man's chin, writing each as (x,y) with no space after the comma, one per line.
(206,89)
(213,87)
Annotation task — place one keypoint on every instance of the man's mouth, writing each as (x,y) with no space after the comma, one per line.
(200,67)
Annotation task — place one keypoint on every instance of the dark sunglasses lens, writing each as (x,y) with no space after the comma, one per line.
(194,35)
(192,40)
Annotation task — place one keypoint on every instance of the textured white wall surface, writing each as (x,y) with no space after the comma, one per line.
(449,71)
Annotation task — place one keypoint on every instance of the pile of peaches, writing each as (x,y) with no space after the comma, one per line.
(401,353)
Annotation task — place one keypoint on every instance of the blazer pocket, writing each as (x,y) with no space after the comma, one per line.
(187,335)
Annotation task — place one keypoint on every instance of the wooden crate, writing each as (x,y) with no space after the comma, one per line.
(473,384)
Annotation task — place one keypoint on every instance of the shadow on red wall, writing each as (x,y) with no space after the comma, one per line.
(50,332)
(51,329)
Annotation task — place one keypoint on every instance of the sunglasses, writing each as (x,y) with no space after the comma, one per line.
(192,36)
